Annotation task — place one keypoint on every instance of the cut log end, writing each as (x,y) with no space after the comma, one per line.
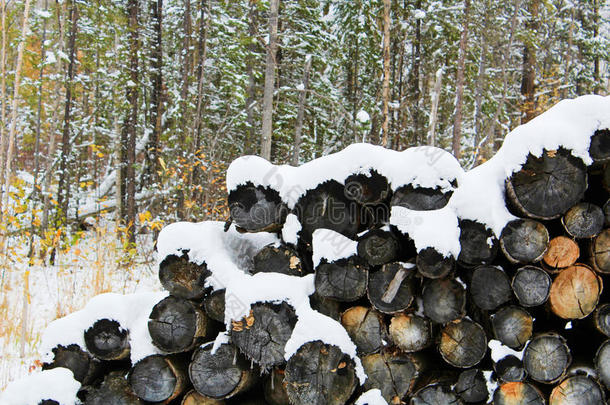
(547,358)
(367,189)
(583,220)
(176,325)
(410,332)
(390,289)
(513,326)
(214,305)
(602,363)
(444,300)
(83,366)
(463,343)
(183,278)
(158,378)
(524,241)
(578,390)
(562,252)
(393,374)
(490,287)
(435,394)
(274,259)
(471,386)
(478,244)
(517,393)
(602,319)
(531,286)
(343,280)
(107,340)
(420,198)
(256,209)
(575,292)
(510,369)
(599,149)
(432,264)
(365,327)
(194,398)
(601,252)
(114,390)
(378,247)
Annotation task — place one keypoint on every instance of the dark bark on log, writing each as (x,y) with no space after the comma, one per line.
(275,390)
(390,289)
(471,386)
(531,286)
(510,369)
(319,374)
(513,326)
(599,149)
(435,394)
(444,300)
(194,398)
(575,292)
(607,213)
(600,250)
(365,327)
(214,305)
(176,325)
(378,247)
(327,206)
(84,367)
(420,198)
(183,278)
(158,378)
(562,252)
(478,244)
(463,343)
(367,189)
(432,264)
(262,335)
(583,220)
(282,259)
(517,393)
(490,287)
(326,306)
(410,332)
(547,186)
(220,375)
(602,319)
(343,280)
(547,357)
(524,241)
(602,363)
(393,374)
(257,209)
(106,340)
(578,390)
(114,390)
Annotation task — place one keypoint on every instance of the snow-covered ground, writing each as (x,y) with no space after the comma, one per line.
(88,268)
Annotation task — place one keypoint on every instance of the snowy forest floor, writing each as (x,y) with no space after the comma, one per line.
(90,266)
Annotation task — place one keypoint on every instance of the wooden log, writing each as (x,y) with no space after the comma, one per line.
(490,287)
(435,394)
(319,374)
(478,244)
(262,335)
(176,325)
(367,189)
(183,278)
(578,390)
(548,185)
(194,398)
(107,340)
(410,332)
(420,198)
(607,213)
(84,367)
(326,306)
(158,378)
(377,247)
(444,300)
(256,208)
(517,393)
(390,289)
(278,259)
(602,363)
(602,319)
(274,389)
(48,402)
(510,369)
(600,251)
(432,264)
(463,343)
(214,305)
(343,280)
(326,206)
(599,149)
(365,327)
(547,357)
(583,220)
(531,286)
(575,292)
(513,326)
(561,253)
(471,386)
(222,374)
(524,241)
(393,373)
(114,390)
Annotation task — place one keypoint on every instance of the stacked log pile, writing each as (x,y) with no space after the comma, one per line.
(518,316)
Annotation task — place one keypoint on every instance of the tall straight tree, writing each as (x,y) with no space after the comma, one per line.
(267,127)
(156,105)
(528,77)
(387,6)
(459,83)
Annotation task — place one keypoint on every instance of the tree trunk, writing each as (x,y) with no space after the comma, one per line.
(267,125)
(301,112)
(387,6)
(435,97)
(251,91)
(132,121)
(459,82)
(528,86)
(176,325)
(156,104)
(107,340)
